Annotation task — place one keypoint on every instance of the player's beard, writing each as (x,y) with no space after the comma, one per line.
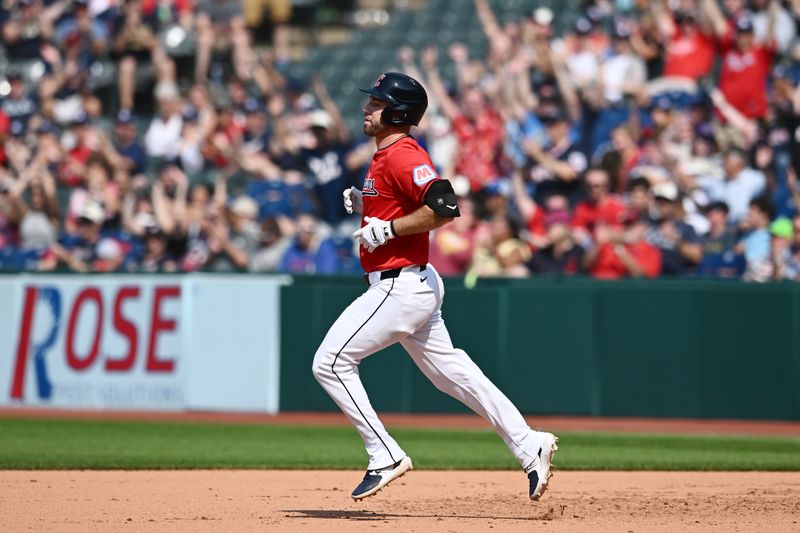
(373,130)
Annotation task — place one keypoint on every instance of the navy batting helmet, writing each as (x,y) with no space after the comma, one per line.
(406,98)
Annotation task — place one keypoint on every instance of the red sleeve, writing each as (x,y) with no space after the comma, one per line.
(536,223)
(581,217)
(413,172)
(726,41)
(649,258)
(460,127)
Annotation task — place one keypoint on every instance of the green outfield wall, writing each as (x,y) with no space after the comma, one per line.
(575,346)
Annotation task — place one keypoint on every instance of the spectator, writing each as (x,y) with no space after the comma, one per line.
(128,145)
(639,198)
(87,250)
(677,241)
(768,13)
(689,45)
(19,106)
(623,254)
(622,74)
(300,256)
(478,128)
(738,187)
(134,43)
(756,244)
(600,208)
(453,245)
(556,167)
(785,260)
(561,256)
(163,136)
(498,249)
(220,23)
(232,242)
(745,68)
(720,258)
(271,249)
(156,256)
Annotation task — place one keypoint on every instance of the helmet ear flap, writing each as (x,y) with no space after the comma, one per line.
(394,115)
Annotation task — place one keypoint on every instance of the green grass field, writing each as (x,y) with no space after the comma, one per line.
(91,444)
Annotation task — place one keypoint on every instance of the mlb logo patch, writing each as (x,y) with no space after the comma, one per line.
(423,174)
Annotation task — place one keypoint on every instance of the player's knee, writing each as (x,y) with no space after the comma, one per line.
(321,367)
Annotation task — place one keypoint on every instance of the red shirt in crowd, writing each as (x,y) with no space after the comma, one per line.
(479,147)
(395,185)
(451,251)
(609,266)
(743,77)
(73,168)
(4,125)
(690,56)
(611,211)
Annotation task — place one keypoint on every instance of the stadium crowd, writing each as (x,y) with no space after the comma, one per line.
(654,138)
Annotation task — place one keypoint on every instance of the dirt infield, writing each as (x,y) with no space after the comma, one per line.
(423,501)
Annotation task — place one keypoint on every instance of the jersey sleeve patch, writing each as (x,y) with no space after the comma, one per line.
(423,174)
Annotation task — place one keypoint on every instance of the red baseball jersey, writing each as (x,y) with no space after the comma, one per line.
(395,185)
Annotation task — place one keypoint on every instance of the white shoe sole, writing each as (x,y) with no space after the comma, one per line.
(550,453)
(405,466)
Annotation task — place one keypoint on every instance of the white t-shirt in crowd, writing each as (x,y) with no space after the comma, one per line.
(619,70)
(163,137)
(736,192)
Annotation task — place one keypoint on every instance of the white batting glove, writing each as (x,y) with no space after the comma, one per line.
(352,200)
(376,233)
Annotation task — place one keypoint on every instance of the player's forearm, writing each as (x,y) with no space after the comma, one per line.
(421,220)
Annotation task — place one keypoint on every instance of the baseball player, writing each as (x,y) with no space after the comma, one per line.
(403,198)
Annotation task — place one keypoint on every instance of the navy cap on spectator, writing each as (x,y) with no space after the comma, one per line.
(662,103)
(81,118)
(684,17)
(46,128)
(190,113)
(17,128)
(583,26)
(622,29)
(744,24)
(782,72)
(552,115)
(547,91)
(718,206)
(169,162)
(253,105)
(26,3)
(126,117)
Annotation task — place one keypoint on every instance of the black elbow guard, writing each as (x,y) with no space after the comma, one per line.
(442,199)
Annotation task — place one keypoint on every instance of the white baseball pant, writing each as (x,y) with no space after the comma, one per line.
(407,309)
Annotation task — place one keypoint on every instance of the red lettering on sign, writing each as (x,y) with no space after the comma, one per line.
(127,329)
(75,361)
(24,342)
(159,324)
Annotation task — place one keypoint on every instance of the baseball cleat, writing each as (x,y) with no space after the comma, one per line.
(539,469)
(375,480)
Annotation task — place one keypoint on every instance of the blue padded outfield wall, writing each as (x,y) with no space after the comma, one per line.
(575,346)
